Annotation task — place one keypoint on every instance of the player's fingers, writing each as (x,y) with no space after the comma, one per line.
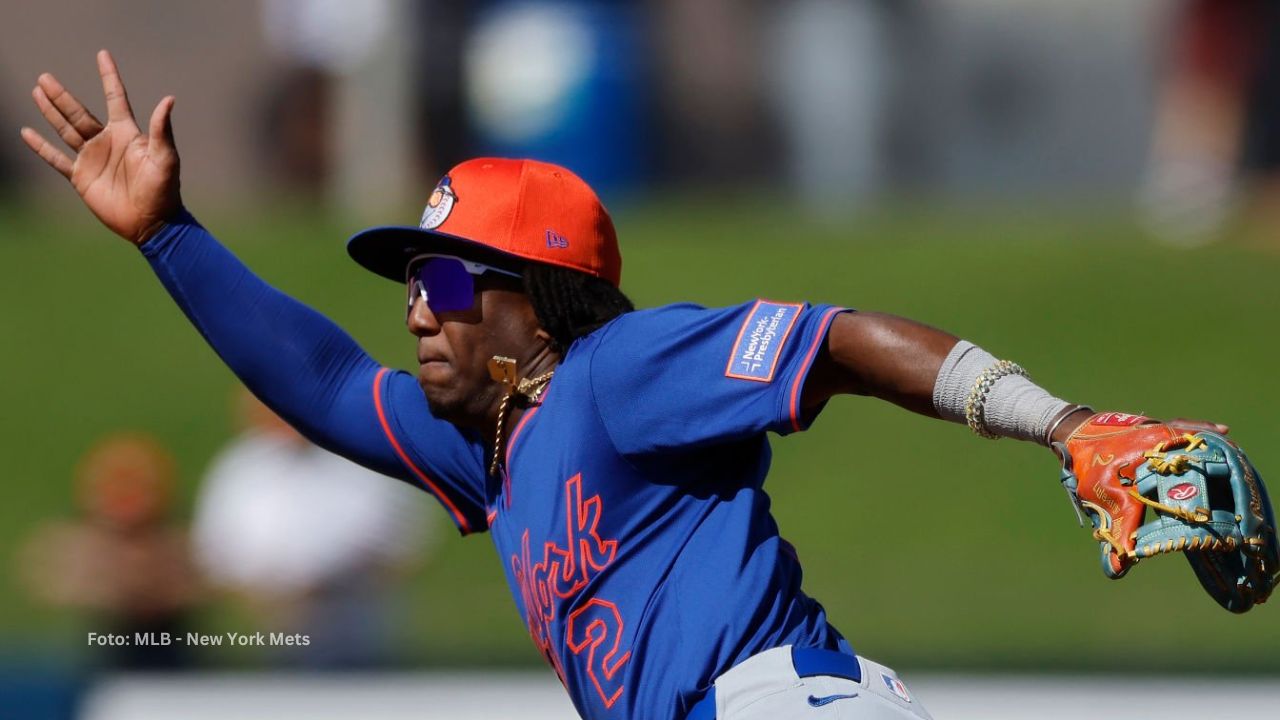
(1193,424)
(118,109)
(160,131)
(70,108)
(47,152)
(56,120)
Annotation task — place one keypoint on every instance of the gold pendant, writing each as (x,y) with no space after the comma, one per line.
(503,369)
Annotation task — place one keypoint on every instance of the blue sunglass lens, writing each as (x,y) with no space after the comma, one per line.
(448,284)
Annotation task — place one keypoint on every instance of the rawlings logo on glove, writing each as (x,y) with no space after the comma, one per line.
(1201,494)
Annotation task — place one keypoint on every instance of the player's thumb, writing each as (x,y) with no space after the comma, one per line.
(160,131)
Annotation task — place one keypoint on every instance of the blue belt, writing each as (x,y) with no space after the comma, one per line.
(808,662)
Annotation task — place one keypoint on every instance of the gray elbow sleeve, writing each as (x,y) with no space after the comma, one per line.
(1014,406)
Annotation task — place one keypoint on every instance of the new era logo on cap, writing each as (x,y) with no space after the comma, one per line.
(556,240)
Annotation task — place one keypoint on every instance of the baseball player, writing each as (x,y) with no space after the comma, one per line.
(617,457)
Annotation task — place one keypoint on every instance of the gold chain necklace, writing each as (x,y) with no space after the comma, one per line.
(503,369)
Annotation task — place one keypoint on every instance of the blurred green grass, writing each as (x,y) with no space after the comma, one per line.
(928,547)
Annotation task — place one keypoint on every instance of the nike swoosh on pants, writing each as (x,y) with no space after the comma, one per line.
(828,699)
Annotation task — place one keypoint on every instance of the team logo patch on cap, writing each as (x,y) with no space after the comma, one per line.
(438,205)
(895,685)
(759,345)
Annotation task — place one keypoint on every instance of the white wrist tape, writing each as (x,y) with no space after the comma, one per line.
(1013,406)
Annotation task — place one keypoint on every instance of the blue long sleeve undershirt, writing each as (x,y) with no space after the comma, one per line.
(302,365)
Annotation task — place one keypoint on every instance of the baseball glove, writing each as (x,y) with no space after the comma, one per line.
(1205,499)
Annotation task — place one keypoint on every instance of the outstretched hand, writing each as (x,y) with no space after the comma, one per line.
(128,179)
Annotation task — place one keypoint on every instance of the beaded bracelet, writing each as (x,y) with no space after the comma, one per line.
(975,406)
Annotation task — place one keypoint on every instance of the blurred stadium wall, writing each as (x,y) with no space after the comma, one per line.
(952,98)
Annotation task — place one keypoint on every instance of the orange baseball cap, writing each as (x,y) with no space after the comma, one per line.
(502,212)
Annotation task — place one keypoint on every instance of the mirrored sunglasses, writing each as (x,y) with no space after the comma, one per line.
(446,283)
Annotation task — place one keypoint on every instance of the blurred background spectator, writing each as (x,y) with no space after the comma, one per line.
(833,65)
(123,562)
(335,61)
(1217,135)
(309,542)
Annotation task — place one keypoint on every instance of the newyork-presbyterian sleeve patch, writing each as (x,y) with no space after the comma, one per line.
(759,343)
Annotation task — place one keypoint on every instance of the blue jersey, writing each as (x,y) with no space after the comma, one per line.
(630,518)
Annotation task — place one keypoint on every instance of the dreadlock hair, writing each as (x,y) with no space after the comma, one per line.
(570,304)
